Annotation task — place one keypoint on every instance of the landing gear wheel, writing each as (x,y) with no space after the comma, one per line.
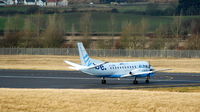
(103,81)
(135,82)
(147,79)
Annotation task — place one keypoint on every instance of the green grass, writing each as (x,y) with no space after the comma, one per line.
(139,7)
(101,20)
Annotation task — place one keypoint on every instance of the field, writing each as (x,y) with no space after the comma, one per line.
(60,100)
(100,21)
(176,89)
(52,62)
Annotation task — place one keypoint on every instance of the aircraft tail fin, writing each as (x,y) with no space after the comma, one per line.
(84,57)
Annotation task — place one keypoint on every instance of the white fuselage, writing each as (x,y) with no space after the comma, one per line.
(116,70)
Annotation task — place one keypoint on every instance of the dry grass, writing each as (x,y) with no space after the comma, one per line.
(50,62)
(175,89)
(59,100)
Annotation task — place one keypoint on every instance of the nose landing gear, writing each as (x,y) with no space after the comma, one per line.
(103,81)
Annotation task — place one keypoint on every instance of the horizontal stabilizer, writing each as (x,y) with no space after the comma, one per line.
(79,67)
(74,65)
(96,65)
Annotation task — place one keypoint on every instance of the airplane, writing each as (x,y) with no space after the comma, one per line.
(136,69)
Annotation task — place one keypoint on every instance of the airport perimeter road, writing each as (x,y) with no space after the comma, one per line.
(78,80)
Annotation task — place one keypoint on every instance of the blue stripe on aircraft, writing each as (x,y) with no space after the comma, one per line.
(119,76)
(110,76)
(87,60)
(85,56)
(89,63)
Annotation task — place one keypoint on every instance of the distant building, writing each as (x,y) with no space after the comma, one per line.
(26,2)
(10,2)
(35,2)
(2,3)
(113,1)
(52,3)
(57,3)
(63,3)
(30,2)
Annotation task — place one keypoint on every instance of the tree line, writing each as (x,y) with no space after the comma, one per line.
(49,31)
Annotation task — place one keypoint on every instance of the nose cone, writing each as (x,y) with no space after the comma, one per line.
(151,68)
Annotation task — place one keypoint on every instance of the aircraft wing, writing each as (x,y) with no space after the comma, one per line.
(147,72)
(136,74)
(162,70)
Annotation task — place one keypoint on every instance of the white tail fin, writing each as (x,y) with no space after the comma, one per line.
(84,57)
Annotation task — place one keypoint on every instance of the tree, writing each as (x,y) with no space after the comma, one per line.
(112,27)
(193,42)
(53,35)
(30,37)
(12,32)
(188,7)
(85,27)
(176,26)
(28,33)
(144,25)
(129,40)
(158,42)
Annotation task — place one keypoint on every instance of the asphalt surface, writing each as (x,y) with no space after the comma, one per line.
(78,80)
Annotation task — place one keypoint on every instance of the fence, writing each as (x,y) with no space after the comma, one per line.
(102,52)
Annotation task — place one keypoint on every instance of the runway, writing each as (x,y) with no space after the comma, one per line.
(78,80)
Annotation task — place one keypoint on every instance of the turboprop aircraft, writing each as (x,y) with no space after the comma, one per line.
(105,70)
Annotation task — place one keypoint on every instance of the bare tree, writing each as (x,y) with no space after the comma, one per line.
(85,27)
(26,40)
(12,32)
(53,35)
(176,26)
(112,27)
(144,25)
(193,42)
(39,23)
(129,40)
(158,42)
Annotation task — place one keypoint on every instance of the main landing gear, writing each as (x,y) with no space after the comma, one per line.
(103,81)
(136,82)
(147,79)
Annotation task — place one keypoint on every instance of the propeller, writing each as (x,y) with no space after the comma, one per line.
(151,67)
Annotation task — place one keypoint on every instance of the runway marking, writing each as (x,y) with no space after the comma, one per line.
(35,77)
(79,78)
